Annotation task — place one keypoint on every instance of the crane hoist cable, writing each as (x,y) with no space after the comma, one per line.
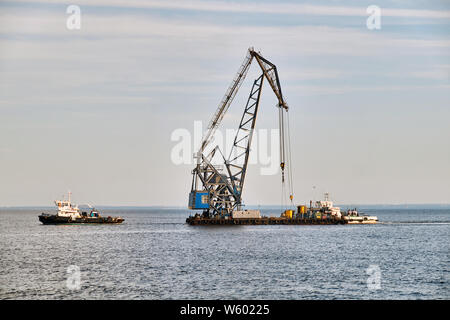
(285,155)
(289,151)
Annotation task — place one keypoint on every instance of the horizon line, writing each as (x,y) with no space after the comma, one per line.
(249,205)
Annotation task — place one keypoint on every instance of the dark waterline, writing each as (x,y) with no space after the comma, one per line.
(155,255)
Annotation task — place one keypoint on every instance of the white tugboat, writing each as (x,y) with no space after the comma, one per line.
(70,213)
(353,217)
(325,209)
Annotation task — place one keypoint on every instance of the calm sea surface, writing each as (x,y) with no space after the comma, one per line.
(155,255)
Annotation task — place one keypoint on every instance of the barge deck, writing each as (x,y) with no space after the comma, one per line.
(194,221)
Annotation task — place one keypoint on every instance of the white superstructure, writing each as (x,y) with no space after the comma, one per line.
(327,206)
(67,209)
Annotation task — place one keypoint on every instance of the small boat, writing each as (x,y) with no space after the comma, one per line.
(69,213)
(353,217)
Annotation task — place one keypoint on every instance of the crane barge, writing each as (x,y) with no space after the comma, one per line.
(218,192)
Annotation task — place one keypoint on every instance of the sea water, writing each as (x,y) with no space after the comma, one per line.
(154,254)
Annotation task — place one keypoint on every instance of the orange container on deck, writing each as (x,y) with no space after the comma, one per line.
(289,213)
(301,209)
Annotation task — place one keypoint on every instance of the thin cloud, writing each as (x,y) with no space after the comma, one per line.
(257,7)
(314,39)
(338,89)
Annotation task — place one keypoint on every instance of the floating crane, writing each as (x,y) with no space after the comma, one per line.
(218,192)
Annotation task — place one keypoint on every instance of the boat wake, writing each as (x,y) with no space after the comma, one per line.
(416,222)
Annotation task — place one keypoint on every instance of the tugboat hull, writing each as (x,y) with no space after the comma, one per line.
(55,219)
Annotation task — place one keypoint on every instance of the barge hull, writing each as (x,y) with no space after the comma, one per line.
(261,221)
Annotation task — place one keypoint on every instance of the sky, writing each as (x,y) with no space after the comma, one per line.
(93,110)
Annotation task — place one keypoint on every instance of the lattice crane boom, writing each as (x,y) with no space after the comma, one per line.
(220,193)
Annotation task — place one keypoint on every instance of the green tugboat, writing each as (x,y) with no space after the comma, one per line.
(69,213)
